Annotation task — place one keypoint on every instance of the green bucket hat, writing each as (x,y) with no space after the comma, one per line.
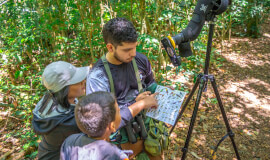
(59,74)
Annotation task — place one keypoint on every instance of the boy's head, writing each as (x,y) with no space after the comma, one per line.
(120,37)
(97,114)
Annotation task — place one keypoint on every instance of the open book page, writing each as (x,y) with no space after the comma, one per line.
(169,104)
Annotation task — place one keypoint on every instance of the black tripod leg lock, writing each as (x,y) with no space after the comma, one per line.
(231,134)
(184,150)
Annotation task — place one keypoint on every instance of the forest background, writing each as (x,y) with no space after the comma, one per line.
(34,33)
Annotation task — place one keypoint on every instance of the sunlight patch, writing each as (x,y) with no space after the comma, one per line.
(237,110)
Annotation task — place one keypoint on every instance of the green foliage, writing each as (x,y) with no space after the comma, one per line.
(34,33)
(247,15)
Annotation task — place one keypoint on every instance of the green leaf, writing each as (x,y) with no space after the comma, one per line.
(168,68)
(202,117)
(224,149)
(195,155)
(218,126)
(18,57)
(21,73)
(22,40)
(19,113)
(16,75)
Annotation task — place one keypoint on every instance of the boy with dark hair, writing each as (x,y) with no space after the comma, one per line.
(97,116)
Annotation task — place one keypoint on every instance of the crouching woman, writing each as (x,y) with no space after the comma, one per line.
(53,116)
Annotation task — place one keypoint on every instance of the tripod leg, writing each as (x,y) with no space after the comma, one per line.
(187,101)
(230,133)
(193,118)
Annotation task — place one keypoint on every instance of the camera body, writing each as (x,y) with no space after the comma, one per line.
(205,10)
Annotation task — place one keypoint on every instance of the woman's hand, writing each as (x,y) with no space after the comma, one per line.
(143,95)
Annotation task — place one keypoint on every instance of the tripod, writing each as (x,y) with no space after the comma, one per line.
(201,81)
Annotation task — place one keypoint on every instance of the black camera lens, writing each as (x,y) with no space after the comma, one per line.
(176,60)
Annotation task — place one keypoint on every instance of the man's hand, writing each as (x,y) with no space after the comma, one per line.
(146,102)
(150,101)
(143,95)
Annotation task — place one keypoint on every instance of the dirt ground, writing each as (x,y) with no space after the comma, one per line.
(244,85)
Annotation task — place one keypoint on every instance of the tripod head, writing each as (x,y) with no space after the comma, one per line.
(205,10)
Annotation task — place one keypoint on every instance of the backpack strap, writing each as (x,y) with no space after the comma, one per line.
(107,68)
(137,75)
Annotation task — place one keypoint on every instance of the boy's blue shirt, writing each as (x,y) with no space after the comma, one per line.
(80,146)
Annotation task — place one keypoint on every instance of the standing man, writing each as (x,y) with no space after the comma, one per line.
(128,71)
